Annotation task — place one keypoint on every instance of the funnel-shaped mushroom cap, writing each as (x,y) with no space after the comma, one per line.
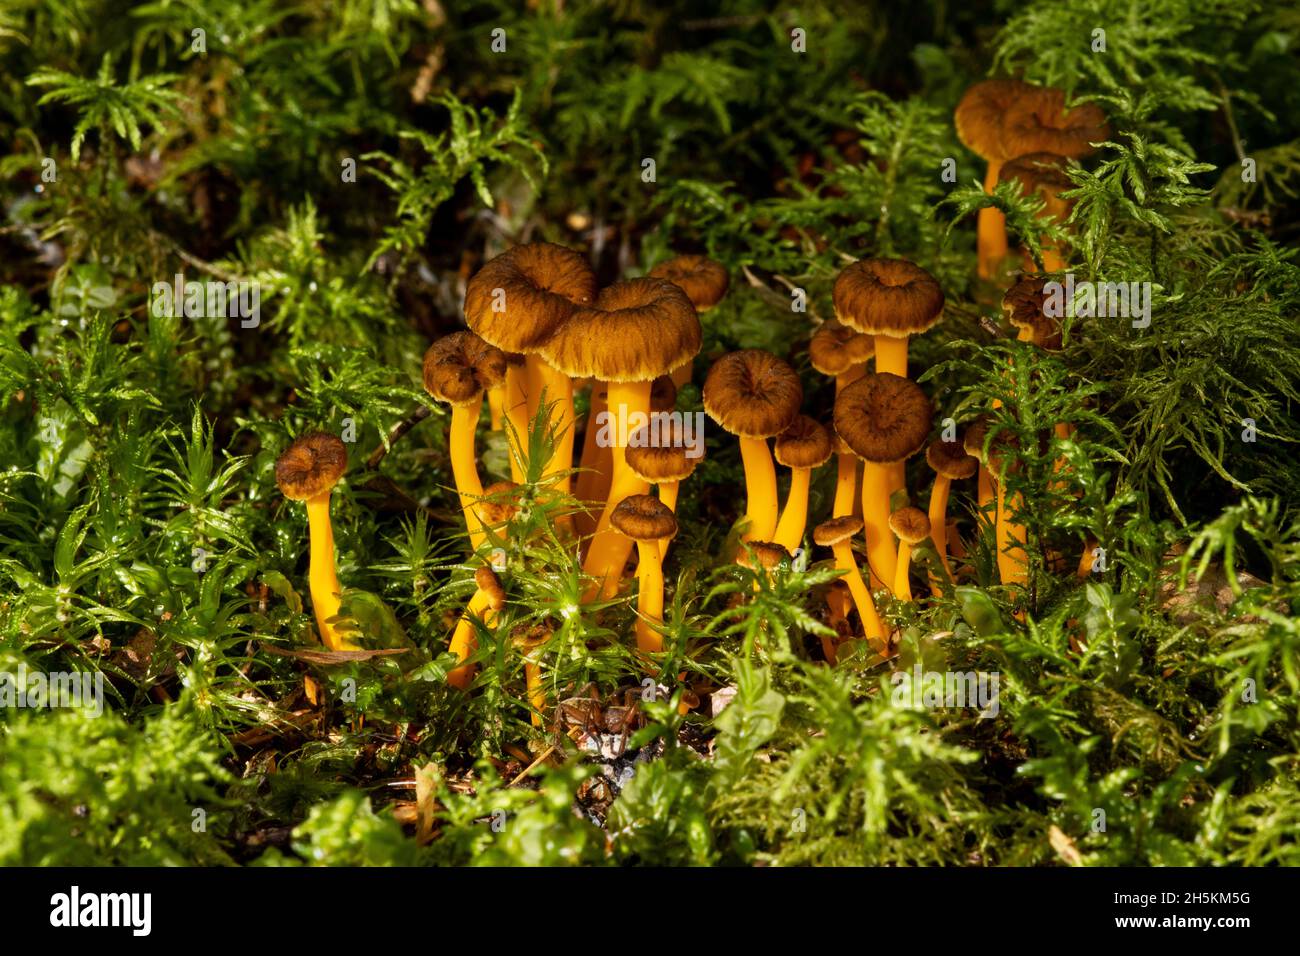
(830,533)
(950,459)
(835,348)
(1025,308)
(973,439)
(460,367)
(805,444)
(312,465)
(637,330)
(912,525)
(1036,172)
(752,393)
(703,280)
(887,297)
(644,518)
(1040,123)
(487,582)
(660,453)
(979,115)
(883,417)
(768,554)
(518,300)
(500,504)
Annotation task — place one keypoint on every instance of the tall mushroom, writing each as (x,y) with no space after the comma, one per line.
(837,534)
(488,600)
(911,527)
(754,395)
(973,442)
(647,521)
(978,119)
(636,331)
(839,351)
(307,471)
(885,419)
(458,369)
(1043,174)
(705,283)
(805,445)
(663,460)
(1013,560)
(950,462)
(516,302)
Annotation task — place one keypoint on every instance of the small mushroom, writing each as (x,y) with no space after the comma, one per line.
(647,521)
(705,283)
(885,419)
(839,351)
(488,600)
(754,395)
(805,445)
(912,527)
(973,442)
(889,299)
(307,471)
(458,369)
(951,462)
(665,464)
(837,534)
(1024,305)
(767,555)
(531,643)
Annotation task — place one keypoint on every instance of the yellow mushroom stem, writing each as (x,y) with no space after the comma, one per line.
(984,490)
(463,639)
(938,515)
(558,395)
(902,577)
(846,484)
(609,550)
(534,370)
(871,624)
(891,356)
(1012,558)
(532,654)
(592,483)
(1085,560)
(881,556)
(668,497)
(322,578)
(991,229)
(789,530)
(649,596)
(760,489)
(464,466)
(515,403)
(496,402)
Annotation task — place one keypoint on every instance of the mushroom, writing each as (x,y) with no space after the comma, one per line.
(1038,122)
(912,527)
(531,642)
(973,442)
(636,331)
(489,598)
(647,521)
(666,464)
(754,395)
(885,419)
(837,534)
(764,555)
(979,118)
(1024,306)
(951,462)
(805,445)
(307,471)
(516,302)
(1042,173)
(705,283)
(839,351)
(1013,560)
(458,369)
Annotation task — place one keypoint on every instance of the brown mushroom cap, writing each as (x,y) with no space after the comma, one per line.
(703,280)
(835,348)
(768,554)
(1024,305)
(312,465)
(1040,123)
(978,116)
(1036,172)
(883,417)
(666,461)
(488,582)
(644,518)
(887,297)
(830,533)
(636,331)
(500,502)
(752,393)
(541,284)
(912,525)
(1004,452)
(805,444)
(460,367)
(973,439)
(950,459)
